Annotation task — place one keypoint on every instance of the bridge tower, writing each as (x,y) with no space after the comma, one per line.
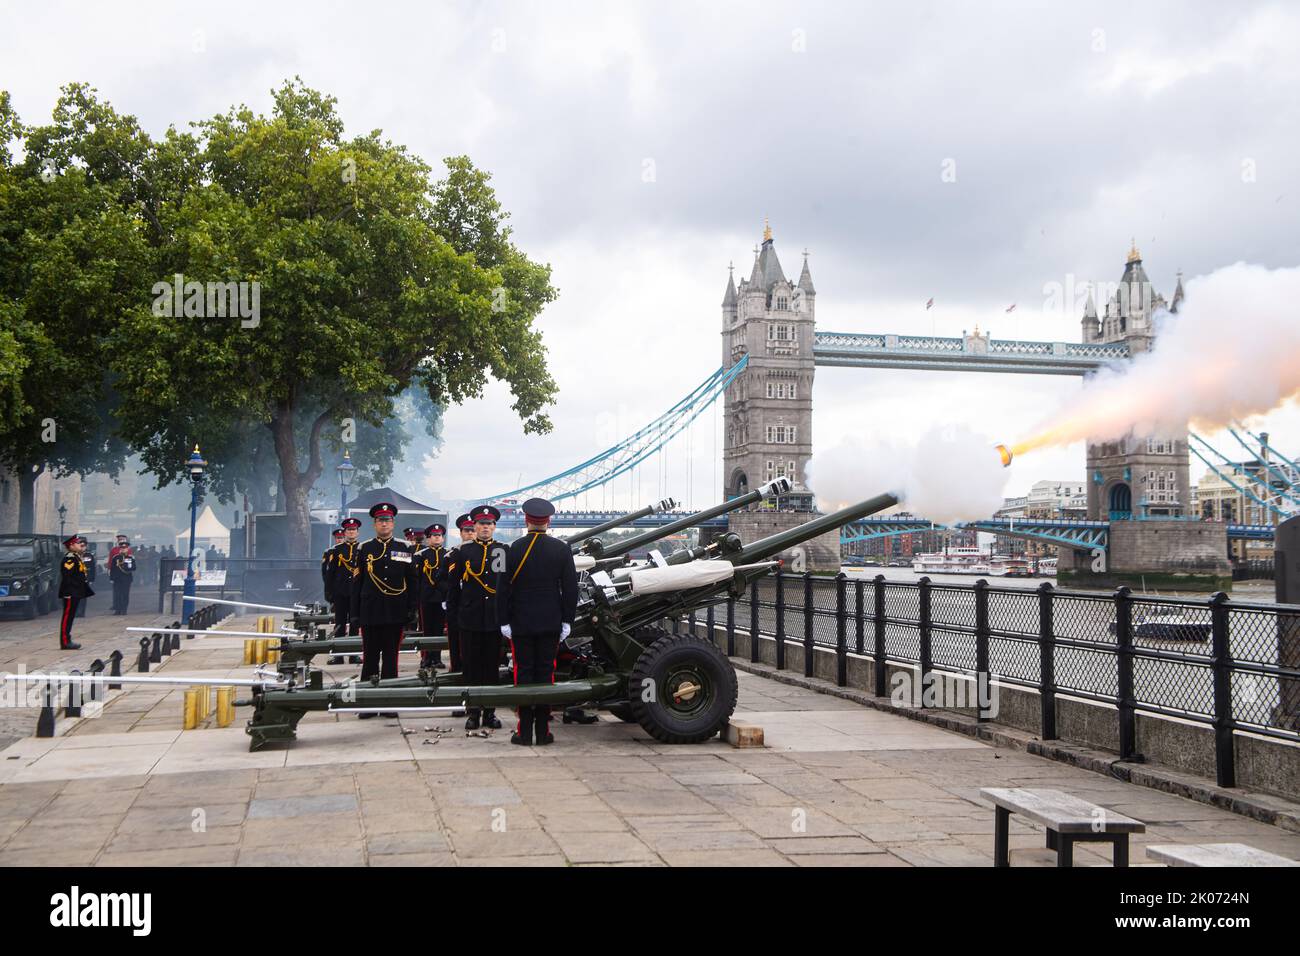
(768,409)
(1135,477)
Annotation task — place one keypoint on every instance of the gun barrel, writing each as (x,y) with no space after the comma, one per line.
(666,504)
(778,487)
(776,543)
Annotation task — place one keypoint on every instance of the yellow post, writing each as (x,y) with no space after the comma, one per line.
(272,651)
(250,650)
(189,716)
(225,706)
(204,701)
(259,652)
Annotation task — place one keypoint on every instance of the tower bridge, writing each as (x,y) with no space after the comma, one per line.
(1138,488)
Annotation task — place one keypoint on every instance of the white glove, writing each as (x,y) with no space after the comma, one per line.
(444,605)
(505,631)
(564,631)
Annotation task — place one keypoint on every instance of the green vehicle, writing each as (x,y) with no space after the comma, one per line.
(29,573)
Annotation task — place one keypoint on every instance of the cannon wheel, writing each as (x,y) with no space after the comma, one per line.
(694,689)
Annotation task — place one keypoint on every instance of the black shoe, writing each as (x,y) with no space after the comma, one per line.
(545,737)
(472,723)
(439,666)
(70,646)
(494,722)
(521,741)
(366,716)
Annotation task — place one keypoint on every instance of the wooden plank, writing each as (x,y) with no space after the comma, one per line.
(1062,812)
(1214,854)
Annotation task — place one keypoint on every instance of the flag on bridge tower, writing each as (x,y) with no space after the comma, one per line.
(1011,307)
(929,302)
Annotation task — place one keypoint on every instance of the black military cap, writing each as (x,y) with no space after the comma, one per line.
(484,513)
(464,521)
(338,533)
(538,508)
(434,529)
(350,523)
(71,540)
(410,532)
(385,509)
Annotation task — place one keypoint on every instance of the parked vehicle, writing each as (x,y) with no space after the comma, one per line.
(29,573)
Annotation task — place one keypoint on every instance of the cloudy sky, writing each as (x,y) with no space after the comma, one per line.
(640,145)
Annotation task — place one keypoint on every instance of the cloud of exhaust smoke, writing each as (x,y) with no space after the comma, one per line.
(1230,353)
(951,474)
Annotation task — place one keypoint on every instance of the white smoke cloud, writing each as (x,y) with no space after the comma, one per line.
(952,474)
(1232,351)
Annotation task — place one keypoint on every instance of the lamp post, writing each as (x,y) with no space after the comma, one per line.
(346,471)
(195,466)
(63,517)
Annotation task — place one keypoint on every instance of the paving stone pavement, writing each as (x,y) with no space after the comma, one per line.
(837,785)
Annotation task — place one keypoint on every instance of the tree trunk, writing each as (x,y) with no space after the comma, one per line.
(27,475)
(295,485)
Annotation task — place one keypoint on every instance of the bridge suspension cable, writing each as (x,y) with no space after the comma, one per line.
(1215,468)
(600,469)
(1287,483)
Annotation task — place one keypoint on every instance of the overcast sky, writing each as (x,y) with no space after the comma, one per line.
(1070,131)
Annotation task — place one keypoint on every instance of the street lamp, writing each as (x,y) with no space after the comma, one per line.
(195,466)
(346,471)
(63,517)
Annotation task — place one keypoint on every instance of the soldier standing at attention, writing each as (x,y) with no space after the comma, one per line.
(465,527)
(482,572)
(73,588)
(433,590)
(327,565)
(537,607)
(383,591)
(121,571)
(343,562)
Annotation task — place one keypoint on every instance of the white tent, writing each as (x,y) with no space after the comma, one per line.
(208,532)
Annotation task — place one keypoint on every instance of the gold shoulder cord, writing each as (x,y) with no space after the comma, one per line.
(478,575)
(378,583)
(527,551)
(344,561)
(434,567)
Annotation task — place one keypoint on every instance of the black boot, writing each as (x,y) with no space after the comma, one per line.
(472,723)
(490,719)
(71,646)
(542,725)
(523,734)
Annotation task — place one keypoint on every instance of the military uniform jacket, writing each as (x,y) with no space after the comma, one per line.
(342,562)
(326,564)
(480,571)
(432,566)
(121,567)
(73,581)
(383,583)
(541,585)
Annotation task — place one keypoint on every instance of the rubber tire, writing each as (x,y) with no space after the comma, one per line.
(659,658)
(29,610)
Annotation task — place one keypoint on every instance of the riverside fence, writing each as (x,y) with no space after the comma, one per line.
(1233,666)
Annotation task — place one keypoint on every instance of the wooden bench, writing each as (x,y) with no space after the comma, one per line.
(1215,854)
(1068,820)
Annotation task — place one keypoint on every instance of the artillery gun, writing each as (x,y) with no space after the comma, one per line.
(678,687)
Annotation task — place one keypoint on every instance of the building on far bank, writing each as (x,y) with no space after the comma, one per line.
(48,495)
(1217,499)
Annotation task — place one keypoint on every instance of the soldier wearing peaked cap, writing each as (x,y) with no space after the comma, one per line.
(465,528)
(74,587)
(327,563)
(432,593)
(482,571)
(342,562)
(383,594)
(537,607)
(121,571)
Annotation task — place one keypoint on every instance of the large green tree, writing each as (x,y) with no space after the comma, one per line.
(370,279)
(72,260)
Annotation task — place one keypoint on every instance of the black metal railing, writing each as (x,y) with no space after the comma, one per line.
(1234,666)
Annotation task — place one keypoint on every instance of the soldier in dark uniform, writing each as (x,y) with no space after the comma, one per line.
(383,591)
(465,527)
(327,564)
(74,587)
(121,571)
(536,604)
(482,571)
(432,594)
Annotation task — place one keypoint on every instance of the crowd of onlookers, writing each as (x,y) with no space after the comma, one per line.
(149,561)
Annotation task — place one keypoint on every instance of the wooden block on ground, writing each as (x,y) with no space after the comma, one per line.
(744,735)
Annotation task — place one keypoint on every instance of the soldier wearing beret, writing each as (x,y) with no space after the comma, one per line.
(482,573)
(383,593)
(537,608)
(432,593)
(465,528)
(74,587)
